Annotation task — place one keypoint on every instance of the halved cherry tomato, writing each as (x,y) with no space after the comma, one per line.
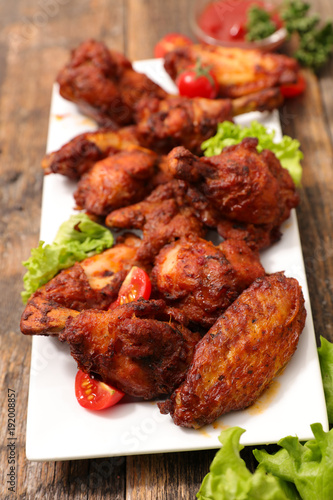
(136,285)
(197,81)
(170,42)
(93,394)
(294,89)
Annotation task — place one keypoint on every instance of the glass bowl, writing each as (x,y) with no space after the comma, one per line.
(267,44)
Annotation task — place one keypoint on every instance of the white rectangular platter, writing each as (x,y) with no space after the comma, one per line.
(59,429)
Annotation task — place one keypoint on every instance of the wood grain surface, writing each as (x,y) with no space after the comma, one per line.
(35,39)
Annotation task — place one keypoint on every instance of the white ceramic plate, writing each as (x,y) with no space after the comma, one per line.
(59,429)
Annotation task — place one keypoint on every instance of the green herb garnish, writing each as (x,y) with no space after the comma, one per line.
(77,238)
(287,150)
(315,43)
(259,25)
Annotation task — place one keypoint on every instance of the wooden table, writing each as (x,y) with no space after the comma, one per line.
(35,39)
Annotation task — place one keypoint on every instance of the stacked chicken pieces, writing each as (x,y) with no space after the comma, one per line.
(217,328)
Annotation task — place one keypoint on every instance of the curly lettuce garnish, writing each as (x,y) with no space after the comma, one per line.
(287,150)
(229,478)
(77,238)
(325,352)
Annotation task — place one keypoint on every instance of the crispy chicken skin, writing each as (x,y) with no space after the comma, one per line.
(201,279)
(256,236)
(177,120)
(116,181)
(241,184)
(78,155)
(103,84)
(131,348)
(92,283)
(163,217)
(241,354)
(238,72)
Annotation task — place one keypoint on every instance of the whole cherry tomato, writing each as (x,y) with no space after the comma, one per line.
(136,284)
(197,81)
(170,42)
(93,394)
(294,89)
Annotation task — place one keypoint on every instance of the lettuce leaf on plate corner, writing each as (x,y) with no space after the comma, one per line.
(287,150)
(325,352)
(77,238)
(308,466)
(229,478)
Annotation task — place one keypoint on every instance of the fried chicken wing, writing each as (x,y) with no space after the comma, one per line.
(241,184)
(92,283)
(238,72)
(103,84)
(117,181)
(78,155)
(201,279)
(176,120)
(241,354)
(131,348)
(163,217)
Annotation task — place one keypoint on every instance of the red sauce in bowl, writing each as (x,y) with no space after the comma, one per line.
(226,20)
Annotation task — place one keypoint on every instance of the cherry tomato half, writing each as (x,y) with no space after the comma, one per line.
(136,285)
(93,394)
(294,89)
(197,81)
(170,42)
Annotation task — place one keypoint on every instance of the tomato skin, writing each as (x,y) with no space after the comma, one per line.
(192,84)
(294,89)
(93,394)
(170,42)
(136,285)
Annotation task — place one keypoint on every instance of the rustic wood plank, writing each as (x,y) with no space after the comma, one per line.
(302,119)
(34,44)
(148,21)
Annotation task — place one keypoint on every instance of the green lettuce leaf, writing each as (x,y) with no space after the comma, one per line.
(229,478)
(77,238)
(308,466)
(325,352)
(287,150)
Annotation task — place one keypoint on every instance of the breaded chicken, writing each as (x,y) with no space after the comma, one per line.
(201,279)
(165,123)
(116,181)
(164,216)
(103,84)
(241,185)
(238,72)
(92,283)
(136,347)
(79,154)
(240,355)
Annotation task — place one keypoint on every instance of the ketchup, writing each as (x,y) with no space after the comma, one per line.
(226,20)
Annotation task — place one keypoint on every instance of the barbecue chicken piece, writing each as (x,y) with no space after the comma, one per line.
(117,181)
(176,120)
(136,347)
(242,185)
(256,236)
(92,283)
(103,84)
(163,217)
(201,279)
(78,155)
(238,72)
(241,354)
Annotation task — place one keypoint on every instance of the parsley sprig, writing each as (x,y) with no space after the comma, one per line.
(315,40)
